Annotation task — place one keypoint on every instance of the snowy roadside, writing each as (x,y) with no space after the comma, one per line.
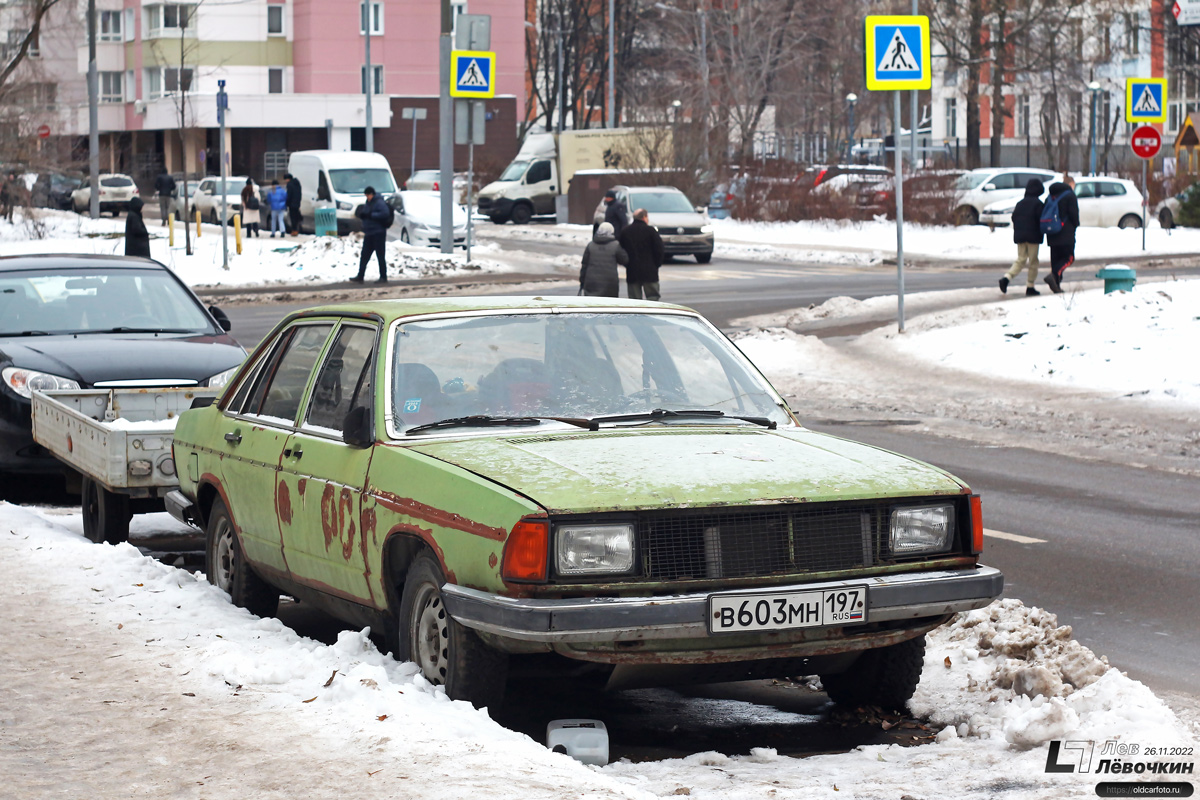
(138,679)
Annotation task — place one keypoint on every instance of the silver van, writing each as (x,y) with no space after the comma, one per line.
(685,229)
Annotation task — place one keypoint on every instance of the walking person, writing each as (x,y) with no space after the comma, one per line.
(375,216)
(615,212)
(645,248)
(598,276)
(164,184)
(250,208)
(1062,243)
(293,203)
(1027,234)
(137,238)
(277,199)
(10,195)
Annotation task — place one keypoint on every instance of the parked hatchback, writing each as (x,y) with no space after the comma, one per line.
(115,193)
(1103,203)
(685,230)
(979,188)
(608,481)
(207,198)
(419,219)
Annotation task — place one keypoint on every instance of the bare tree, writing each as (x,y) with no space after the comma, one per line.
(35,13)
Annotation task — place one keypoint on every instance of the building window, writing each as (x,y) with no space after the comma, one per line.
(1078,120)
(163,81)
(376,9)
(37,96)
(168,18)
(377,87)
(275,80)
(951,117)
(1173,117)
(1023,115)
(275,20)
(1133,34)
(110,26)
(112,87)
(35,45)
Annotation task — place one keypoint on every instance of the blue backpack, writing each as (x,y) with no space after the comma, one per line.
(1051,221)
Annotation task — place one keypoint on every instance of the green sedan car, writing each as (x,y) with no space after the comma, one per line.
(610,482)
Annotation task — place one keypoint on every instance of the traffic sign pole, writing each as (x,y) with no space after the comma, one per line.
(1145,143)
(898,153)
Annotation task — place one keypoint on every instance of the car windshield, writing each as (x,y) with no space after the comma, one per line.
(571,364)
(353,181)
(971,180)
(514,171)
(47,301)
(661,202)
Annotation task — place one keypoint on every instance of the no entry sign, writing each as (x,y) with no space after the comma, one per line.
(1146,142)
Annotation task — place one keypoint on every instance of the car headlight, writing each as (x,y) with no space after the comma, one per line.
(706,229)
(344,206)
(594,549)
(925,529)
(421,226)
(222,378)
(27,381)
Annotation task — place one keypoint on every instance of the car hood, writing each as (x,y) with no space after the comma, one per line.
(496,188)
(89,358)
(664,222)
(678,467)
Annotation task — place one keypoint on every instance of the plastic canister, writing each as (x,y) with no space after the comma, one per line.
(585,740)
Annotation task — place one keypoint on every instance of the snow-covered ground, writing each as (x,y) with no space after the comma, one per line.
(127,677)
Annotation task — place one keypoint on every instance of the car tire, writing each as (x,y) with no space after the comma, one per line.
(227,569)
(1130,221)
(966,215)
(703,258)
(886,677)
(521,214)
(106,514)
(447,653)
(1166,218)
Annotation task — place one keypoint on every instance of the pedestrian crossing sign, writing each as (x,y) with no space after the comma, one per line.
(1145,100)
(897,53)
(472,74)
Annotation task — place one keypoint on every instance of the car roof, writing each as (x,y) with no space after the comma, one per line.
(75,261)
(396,309)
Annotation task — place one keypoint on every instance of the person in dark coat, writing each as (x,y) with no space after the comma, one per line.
(137,238)
(599,277)
(1027,233)
(1062,244)
(293,203)
(164,184)
(645,248)
(375,216)
(10,195)
(615,212)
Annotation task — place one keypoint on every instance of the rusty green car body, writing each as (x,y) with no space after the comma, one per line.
(609,481)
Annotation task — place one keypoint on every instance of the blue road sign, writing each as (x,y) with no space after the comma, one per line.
(897,53)
(473,73)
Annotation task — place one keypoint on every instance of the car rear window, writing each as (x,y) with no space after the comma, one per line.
(116,182)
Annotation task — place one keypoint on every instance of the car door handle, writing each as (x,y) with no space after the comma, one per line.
(234,438)
(293,453)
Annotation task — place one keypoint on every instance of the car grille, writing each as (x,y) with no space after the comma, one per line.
(748,543)
(669,230)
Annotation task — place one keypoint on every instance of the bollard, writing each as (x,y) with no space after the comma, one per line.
(1117,278)
(197,223)
(171,229)
(237,232)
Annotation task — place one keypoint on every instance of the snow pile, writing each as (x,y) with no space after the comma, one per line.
(1001,680)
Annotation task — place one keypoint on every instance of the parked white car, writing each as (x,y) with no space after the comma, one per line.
(980,188)
(207,198)
(1103,203)
(419,219)
(116,191)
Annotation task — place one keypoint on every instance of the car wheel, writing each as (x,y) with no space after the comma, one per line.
(1130,221)
(105,514)
(226,567)
(521,214)
(1166,218)
(447,653)
(886,677)
(116,212)
(404,236)
(703,258)
(498,220)
(966,215)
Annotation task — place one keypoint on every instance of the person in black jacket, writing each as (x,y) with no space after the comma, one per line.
(1062,244)
(375,217)
(1027,234)
(293,203)
(645,248)
(164,184)
(615,212)
(137,238)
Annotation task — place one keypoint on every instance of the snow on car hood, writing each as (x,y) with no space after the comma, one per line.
(681,467)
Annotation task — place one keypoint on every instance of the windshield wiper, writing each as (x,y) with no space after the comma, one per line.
(27,333)
(664,413)
(485,420)
(127,329)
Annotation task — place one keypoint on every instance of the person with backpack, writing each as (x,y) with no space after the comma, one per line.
(377,216)
(1027,234)
(250,207)
(1060,218)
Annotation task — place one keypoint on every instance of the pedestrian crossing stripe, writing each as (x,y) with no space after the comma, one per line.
(472,74)
(1144,100)
(897,53)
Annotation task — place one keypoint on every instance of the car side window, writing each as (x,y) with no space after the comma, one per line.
(538,171)
(1005,180)
(254,376)
(323,187)
(1085,190)
(1111,189)
(281,385)
(344,381)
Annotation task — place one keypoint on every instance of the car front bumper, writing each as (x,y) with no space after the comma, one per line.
(495,206)
(890,598)
(687,245)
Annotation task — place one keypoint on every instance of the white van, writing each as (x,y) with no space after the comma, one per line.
(340,178)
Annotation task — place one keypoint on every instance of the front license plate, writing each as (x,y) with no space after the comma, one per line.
(775,612)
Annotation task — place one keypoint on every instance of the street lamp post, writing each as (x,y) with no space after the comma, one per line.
(851,98)
(1094,88)
(704,77)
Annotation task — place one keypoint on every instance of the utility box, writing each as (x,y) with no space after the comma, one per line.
(1117,278)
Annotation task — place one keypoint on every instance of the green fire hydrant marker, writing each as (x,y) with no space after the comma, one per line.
(1117,278)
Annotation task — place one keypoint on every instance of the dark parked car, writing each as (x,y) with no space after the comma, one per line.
(52,190)
(84,321)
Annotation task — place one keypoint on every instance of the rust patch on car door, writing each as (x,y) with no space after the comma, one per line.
(346,524)
(444,519)
(283,503)
(301,485)
(337,519)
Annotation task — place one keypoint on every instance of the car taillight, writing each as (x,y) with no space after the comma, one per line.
(435,186)
(526,553)
(881,197)
(135,190)
(976,524)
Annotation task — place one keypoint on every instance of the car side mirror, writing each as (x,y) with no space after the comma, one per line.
(358,428)
(221,318)
(989,188)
